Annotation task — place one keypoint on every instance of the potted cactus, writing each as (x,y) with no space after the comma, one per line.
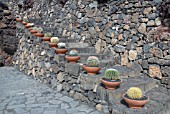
(111,79)
(25,21)
(34,30)
(47,36)
(92,65)
(39,32)
(61,48)
(54,41)
(29,25)
(134,97)
(73,56)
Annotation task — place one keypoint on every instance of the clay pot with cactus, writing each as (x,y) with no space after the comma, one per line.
(54,41)
(135,98)
(29,25)
(34,30)
(61,48)
(73,56)
(111,79)
(47,36)
(92,65)
(39,32)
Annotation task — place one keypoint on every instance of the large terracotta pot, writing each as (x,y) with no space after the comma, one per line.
(39,34)
(24,23)
(53,44)
(135,103)
(91,70)
(33,31)
(18,20)
(27,26)
(72,59)
(111,85)
(46,38)
(61,50)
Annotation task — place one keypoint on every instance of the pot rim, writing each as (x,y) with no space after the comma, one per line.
(91,67)
(111,81)
(136,100)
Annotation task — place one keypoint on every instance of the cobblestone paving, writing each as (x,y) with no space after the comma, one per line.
(20,94)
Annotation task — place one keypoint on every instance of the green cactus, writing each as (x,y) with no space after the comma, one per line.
(111,74)
(73,53)
(134,93)
(40,29)
(54,40)
(61,45)
(34,28)
(47,34)
(25,20)
(93,61)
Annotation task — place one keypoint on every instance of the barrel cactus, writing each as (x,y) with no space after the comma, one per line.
(134,93)
(61,45)
(54,40)
(93,61)
(40,29)
(73,53)
(35,28)
(25,20)
(47,34)
(111,74)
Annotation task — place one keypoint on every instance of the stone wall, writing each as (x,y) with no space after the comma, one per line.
(124,39)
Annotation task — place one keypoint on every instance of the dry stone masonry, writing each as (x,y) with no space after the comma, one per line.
(121,34)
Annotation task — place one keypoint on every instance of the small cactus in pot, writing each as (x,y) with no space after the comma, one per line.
(135,98)
(61,48)
(47,36)
(73,56)
(92,65)
(111,79)
(39,32)
(54,41)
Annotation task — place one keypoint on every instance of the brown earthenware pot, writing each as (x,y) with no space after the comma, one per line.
(46,38)
(39,34)
(61,50)
(91,70)
(18,20)
(30,28)
(27,26)
(111,85)
(72,59)
(24,23)
(33,31)
(135,103)
(53,44)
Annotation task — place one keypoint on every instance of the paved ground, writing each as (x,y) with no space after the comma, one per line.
(20,94)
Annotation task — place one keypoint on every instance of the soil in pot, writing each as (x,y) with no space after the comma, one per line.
(135,103)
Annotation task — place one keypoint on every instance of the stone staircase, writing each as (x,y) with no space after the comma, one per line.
(109,101)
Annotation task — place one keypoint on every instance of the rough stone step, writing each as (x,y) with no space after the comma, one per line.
(84,50)
(77,45)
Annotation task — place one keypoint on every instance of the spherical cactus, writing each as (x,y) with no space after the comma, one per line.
(35,28)
(47,34)
(54,40)
(40,29)
(111,74)
(73,53)
(93,61)
(25,20)
(134,93)
(61,45)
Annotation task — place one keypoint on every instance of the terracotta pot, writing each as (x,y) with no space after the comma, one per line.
(27,26)
(111,85)
(18,20)
(39,34)
(46,38)
(91,70)
(61,50)
(72,59)
(53,44)
(30,29)
(33,31)
(135,103)
(24,23)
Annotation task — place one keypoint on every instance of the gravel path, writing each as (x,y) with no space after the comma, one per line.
(20,94)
